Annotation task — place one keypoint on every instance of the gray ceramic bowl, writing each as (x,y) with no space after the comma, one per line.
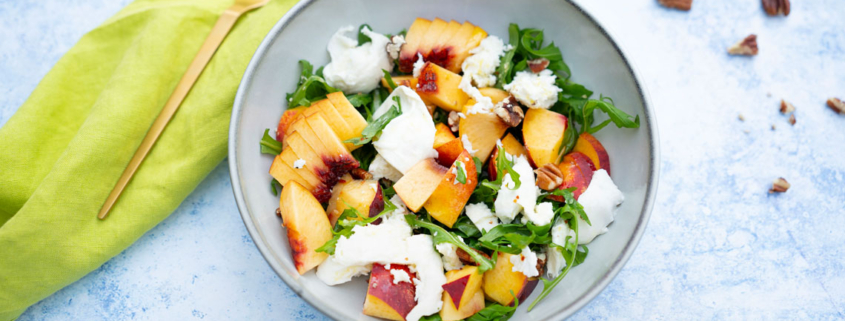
(595,59)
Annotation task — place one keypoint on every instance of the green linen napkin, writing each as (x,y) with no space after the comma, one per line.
(64,149)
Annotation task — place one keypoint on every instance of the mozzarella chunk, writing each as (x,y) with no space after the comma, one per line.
(481,65)
(380,168)
(534,90)
(356,69)
(525,262)
(408,138)
(483,104)
(510,202)
(450,256)
(600,201)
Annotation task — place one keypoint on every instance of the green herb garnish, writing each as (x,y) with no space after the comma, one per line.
(461,176)
(373,129)
(363,38)
(496,312)
(389,80)
(311,87)
(441,235)
(270,145)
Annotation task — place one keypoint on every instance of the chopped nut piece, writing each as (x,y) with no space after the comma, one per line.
(537,65)
(780,185)
(394,46)
(549,177)
(773,126)
(685,5)
(741,117)
(278,212)
(509,111)
(776,7)
(453,121)
(792,119)
(786,107)
(541,265)
(836,104)
(466,259)
(360,173)
(746,47)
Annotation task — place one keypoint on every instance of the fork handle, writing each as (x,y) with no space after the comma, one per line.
(212,42)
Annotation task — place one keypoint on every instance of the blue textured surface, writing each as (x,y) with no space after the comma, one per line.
(717,247)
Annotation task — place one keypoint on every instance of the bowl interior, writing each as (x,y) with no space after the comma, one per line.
(592,56)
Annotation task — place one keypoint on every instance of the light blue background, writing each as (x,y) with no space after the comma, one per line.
(717,247)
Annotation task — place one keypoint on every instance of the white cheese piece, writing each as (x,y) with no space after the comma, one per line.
(408,138)
(534,90)
(386,243)
(468,145)
(482,217)
(332,273)
(418,65)
(525,262)
(395,46)
(555,263)
(400,276)
(450,256)
(542,214)
(483,104)
(510,202)
(299,163)
(481,65)
(380,168)
(600,200)
(356,69)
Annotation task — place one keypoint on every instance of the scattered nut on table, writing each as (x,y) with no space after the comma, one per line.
(685,5)
(509,111)
(786,107)
(746,47)
(836,104)
(780,185)
(549,177)
(776,7)
(792,119)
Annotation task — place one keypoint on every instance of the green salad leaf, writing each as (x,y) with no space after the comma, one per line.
(389,80)
(363,38)
(311,87)
(441,235)
(349,219)
(461,176)
(512,238)
(270,145)
(373,129)
(496,312)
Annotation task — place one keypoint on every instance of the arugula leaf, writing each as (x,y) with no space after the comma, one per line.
(365,155)
(571,205)
(570,261)
(389,80)
(461,176)
(478,166)
(505,70)
(349,219)
(273,184)
(511,238)
(373,129)
(270,145)
(505,165)
(570,138)
(441,235)
(358,100)
(310,88)
(495,312)
(605,104)
(433,317)
(362,38)
(465,227)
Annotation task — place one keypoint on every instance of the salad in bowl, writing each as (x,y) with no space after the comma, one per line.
(453,168)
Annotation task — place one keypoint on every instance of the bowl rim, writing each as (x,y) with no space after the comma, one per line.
(562,313)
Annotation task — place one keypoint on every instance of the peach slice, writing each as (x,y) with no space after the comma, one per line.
(495,94)
(447,202)
(350,115)
(440,87)
(590,146)
(432,35)
(472,306)
(461,285)
(499,282)
(577,171)
(449,152)
(288,117)
(413,39)
(388,300)
(362,195)
(465,39)
(284,173)
(543,132)
(482,130)
(442,135)
(306,177)
(307,226)
(418,184)
(511,146)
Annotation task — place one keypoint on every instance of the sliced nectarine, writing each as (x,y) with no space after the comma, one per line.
(288,117)
(386,299)
(449,152)
(413,39)
(353,118)
(464,40)
(474,304)
(495,94)
(284,173)
(362,195)
(307,226)
(511,146)
(440,87)
(590,146)
(447,202)
(482,130)
(442,135)
(577,171)
(432,35)
(319,189)
(461,285)
(543,131)
(417,185)
(499,282)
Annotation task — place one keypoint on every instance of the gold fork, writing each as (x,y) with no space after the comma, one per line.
(212,42)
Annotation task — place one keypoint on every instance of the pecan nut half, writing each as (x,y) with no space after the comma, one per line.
(549,177)
(786,107)
(453,121)
(836,104)
(360,173)
(746,47)
(685,5)
(509,111)
(776,7)
(537,65)
(466,259)
(780,185)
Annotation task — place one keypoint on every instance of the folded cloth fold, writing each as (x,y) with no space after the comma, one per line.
(64,149)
